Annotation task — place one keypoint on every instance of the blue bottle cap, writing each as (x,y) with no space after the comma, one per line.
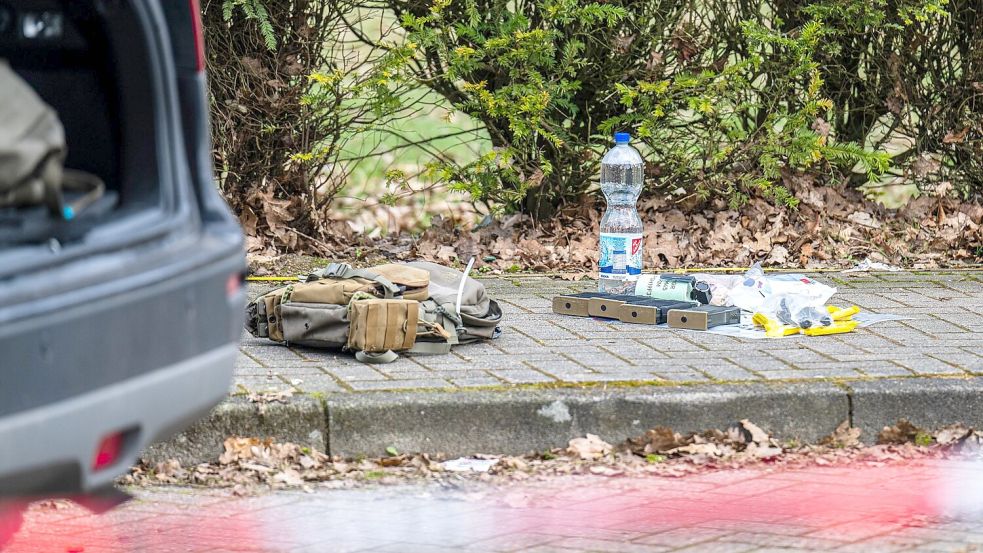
(68,213)
(622,138)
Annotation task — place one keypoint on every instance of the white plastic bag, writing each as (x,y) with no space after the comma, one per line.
(720,287)
(760,293)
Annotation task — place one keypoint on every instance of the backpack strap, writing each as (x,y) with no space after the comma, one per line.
(376,358)
(431,347)
(91,187)
(344,270)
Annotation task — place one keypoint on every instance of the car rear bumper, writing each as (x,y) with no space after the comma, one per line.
(52,448)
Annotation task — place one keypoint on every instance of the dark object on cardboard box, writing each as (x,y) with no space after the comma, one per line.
(704,317)
(573,304)
(606,305)
(650,311)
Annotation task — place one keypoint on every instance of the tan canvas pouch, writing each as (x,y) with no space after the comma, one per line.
(256,319)
(414,282)
(271,303)
(319,325)
(383,325)
(333,291)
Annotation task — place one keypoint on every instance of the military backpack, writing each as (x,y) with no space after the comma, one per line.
(32,154)
(417,307)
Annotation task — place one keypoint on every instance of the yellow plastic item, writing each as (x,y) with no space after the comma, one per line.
(838,327)
(842,314)
(773,328)
(272,279)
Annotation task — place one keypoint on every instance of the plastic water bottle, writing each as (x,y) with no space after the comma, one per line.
(622,176)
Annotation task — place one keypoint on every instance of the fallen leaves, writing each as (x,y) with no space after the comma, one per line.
(265,398)
(863,218)
(955,137)
(844,436)
(832,225)
(250,464)
(900,433)
(591,447)
(657,440)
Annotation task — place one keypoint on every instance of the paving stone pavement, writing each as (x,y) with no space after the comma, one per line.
(918,505)
(539,348)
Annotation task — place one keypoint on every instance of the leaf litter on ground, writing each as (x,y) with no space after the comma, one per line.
(251,465)
(263,399)
(832,225)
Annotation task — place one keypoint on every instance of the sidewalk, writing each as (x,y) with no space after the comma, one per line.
(916,505)
(550,378)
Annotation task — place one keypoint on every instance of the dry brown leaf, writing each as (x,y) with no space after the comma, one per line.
(763,452)
(805,254)
(778,256)
(901,433)
(590,447)
(864,219)
(843,436)
(289,477)
(955,137)
(236,449)
(754,433)
(698,449)
(602,470)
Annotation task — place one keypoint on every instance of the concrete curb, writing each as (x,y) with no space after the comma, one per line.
(928,403)
(464,423)
(520,421)
(300,421)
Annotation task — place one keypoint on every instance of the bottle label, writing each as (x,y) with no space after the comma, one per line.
(653,286)
(621,254)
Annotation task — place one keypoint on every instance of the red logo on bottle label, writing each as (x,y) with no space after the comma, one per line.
(636,244)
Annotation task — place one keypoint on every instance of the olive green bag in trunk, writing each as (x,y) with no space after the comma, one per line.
(417,307)
(32,154)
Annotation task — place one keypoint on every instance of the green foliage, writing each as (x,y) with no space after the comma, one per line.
(517,73)
(287,95)
(726,100)
(905,72)
(254,10)
(924,439)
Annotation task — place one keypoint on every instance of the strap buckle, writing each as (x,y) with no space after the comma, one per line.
(336,269)
(332,270)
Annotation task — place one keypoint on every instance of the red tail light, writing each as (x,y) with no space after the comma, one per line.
(233,285)
(108,452)
(199,34)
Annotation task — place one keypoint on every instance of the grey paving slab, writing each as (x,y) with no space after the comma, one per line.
(419,383)
(929,365)
(524,376)
(544,353)
(357,373)
(475,381)
(539,347)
